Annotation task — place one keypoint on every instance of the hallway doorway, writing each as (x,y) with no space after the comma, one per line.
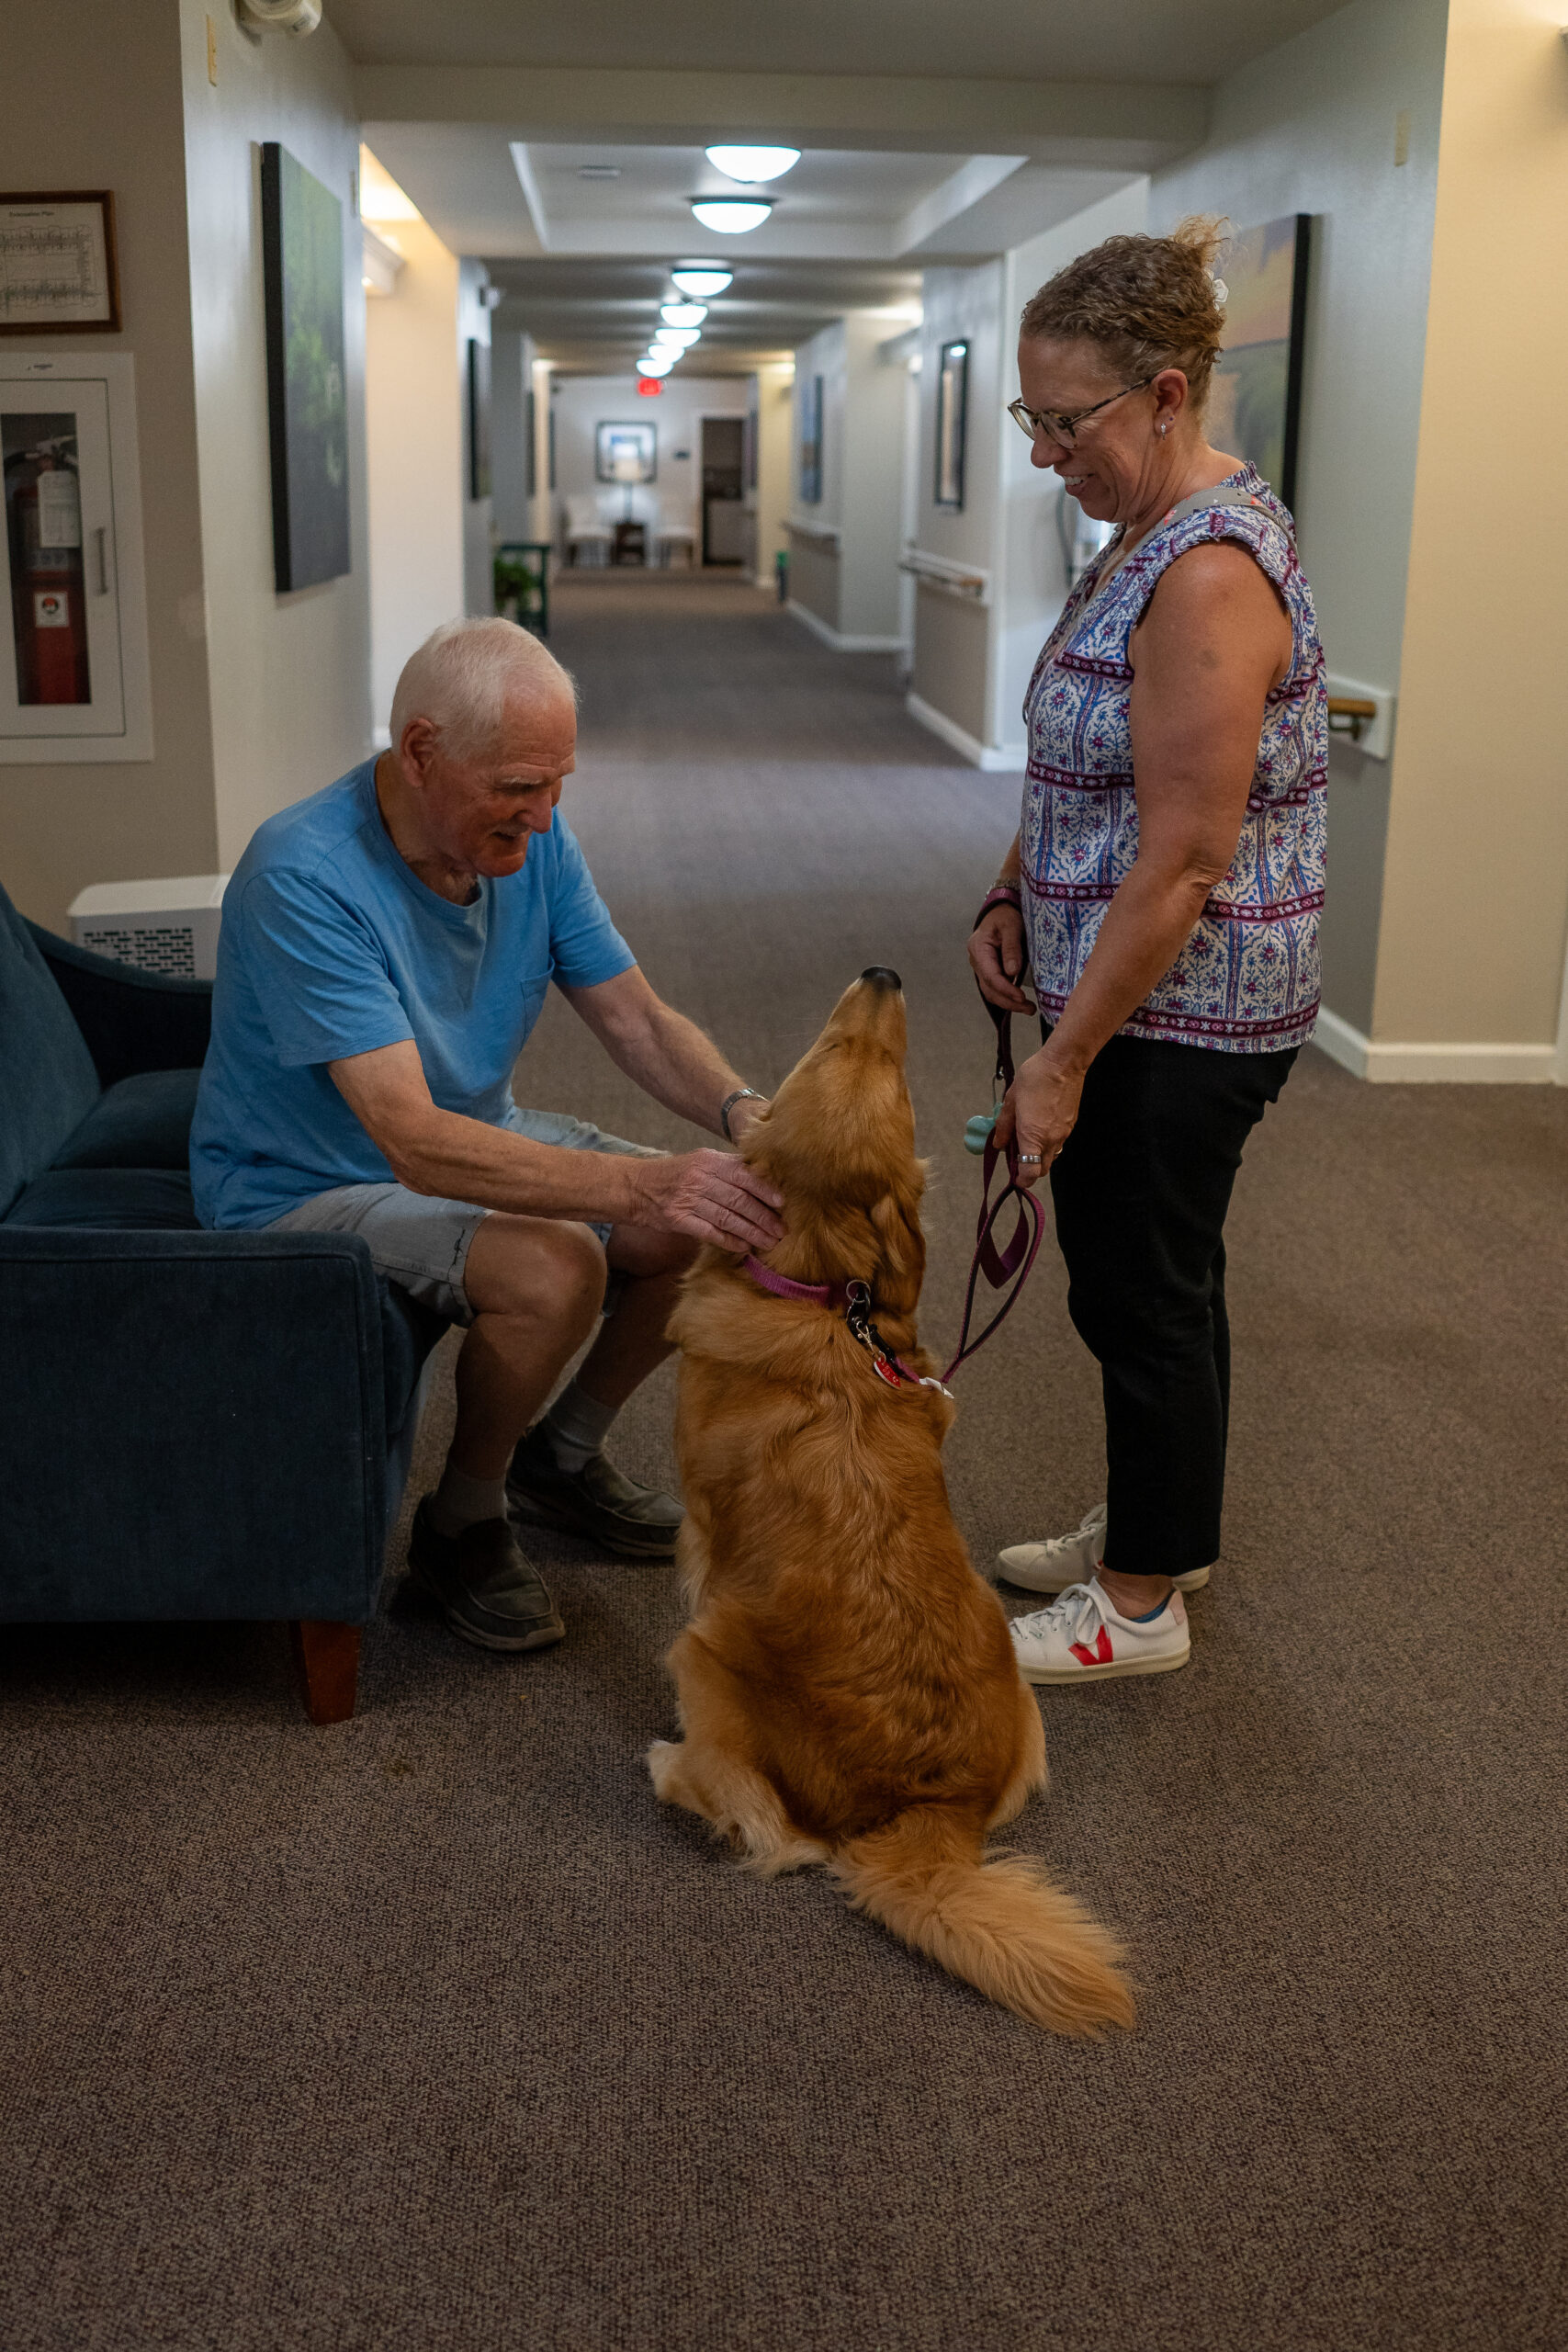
(725,520)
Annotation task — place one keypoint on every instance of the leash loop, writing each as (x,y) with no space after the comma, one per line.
(1011,1263)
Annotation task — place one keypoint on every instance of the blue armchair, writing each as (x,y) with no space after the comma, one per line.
(229,1415)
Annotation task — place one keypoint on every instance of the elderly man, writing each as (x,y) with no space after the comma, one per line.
(384,952)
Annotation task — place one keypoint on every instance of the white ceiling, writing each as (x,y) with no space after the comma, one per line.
(1170,41)
(879,190)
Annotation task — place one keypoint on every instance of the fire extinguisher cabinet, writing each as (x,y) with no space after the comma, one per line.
(74,675)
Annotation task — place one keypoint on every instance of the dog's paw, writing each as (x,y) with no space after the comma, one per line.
(663,1761)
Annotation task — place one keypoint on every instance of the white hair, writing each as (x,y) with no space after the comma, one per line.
(463,676)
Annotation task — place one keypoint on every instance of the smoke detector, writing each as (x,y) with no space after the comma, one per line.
(278,15)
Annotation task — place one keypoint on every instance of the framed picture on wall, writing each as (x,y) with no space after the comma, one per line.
(951,424)
(811,442)
(478,419)
(307,397)
(627,453)
(58,266)
(1255,406)
(530,446)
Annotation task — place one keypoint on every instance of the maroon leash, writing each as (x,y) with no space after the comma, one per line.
(1011,1264)
(1000,1266)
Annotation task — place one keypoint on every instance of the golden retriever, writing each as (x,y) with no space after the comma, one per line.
(848,1692)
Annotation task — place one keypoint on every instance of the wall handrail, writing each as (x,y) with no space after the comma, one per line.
(966,580)
(823,534)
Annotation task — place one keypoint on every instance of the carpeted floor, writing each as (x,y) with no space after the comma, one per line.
(431,2031)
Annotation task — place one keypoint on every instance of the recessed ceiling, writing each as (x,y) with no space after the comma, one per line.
(1059,41)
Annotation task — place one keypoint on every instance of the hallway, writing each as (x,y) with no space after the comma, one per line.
(432,2031)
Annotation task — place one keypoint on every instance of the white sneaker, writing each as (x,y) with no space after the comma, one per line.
(1062,1560)
(1081,1638)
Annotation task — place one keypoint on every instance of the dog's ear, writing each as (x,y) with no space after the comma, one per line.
(902,1253)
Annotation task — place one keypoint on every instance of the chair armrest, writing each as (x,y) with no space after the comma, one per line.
(194,1426)
(131,1021)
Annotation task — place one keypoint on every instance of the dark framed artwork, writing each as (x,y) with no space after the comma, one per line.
(811,442)
(951,424)
(59,267)
(748,450)
(1254,403)
(478,419)
(625,453)
(307,397)
(530,446)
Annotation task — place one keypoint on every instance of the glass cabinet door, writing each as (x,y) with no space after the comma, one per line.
(60,639)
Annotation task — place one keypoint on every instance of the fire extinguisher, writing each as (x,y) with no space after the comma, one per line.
(47,585)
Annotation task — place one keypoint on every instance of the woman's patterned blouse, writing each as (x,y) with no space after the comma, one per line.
(1246,980)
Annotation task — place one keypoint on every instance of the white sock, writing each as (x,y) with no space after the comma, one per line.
(576,1426)
(460,1501)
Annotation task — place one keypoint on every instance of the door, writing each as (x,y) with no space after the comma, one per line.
(725,519)
(60,671)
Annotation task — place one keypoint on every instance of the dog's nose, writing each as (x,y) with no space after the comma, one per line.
(883,976)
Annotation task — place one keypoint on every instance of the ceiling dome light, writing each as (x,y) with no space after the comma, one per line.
(752,165)
(676,338)
(656,363)
(729,216)
(701,279)
(683,315)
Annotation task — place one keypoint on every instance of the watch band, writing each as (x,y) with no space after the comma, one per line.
(741,1094)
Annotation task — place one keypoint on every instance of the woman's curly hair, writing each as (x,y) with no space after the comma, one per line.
(1148,303)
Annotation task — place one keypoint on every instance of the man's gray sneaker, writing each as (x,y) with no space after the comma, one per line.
(598,1500)
(1064,1560)
(484,1584)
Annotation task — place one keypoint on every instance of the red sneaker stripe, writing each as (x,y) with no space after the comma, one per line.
(1101,1653)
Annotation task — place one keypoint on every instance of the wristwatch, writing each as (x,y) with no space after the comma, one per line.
(741,1094)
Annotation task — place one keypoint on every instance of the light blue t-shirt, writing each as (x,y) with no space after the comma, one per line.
(331,945)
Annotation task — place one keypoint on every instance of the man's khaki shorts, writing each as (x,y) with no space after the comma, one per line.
(421,1243)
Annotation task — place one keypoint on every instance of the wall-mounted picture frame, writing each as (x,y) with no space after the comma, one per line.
(59,267)
(478,419)
(306,393)
(811,442)
(952,424)
(530,444)
(1254,401)
(625,453)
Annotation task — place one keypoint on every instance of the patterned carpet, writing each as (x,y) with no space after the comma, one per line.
(432,2032)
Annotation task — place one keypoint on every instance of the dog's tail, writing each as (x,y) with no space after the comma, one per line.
(1002,1926)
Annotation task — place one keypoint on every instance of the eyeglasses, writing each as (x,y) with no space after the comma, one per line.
(1056,427)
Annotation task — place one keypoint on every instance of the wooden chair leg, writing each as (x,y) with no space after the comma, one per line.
(328,1659)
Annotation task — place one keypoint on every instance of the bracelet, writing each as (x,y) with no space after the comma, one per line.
(741,1094)
(1009,891)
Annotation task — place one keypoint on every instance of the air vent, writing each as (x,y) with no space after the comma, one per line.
(169,928)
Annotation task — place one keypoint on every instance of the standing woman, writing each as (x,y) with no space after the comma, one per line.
(1164,890)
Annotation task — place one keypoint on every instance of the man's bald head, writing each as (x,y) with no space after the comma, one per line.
(469,677)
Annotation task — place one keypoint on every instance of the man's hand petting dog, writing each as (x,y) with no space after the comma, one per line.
(710,1196)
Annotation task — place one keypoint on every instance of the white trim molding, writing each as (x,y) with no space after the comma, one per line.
(991,759)
(1438,1065)
(839,642)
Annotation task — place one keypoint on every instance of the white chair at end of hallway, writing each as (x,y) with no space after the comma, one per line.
(586,528)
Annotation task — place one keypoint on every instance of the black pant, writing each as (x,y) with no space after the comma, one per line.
(1141,1190)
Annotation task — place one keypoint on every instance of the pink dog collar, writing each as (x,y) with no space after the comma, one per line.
(854,1297)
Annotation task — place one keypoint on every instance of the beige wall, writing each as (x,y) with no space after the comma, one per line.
(92,99)
(1475,893)
(770,501)
(814,579)
(415,437)
(952,649)
(289,675)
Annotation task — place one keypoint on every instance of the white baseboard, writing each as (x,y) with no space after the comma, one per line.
(841,643)
(1397,1064)
(991,759)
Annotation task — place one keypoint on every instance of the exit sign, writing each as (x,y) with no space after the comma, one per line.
(649,387)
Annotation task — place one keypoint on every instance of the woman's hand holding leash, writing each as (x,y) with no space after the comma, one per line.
(1000,957)
(1040,1111)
